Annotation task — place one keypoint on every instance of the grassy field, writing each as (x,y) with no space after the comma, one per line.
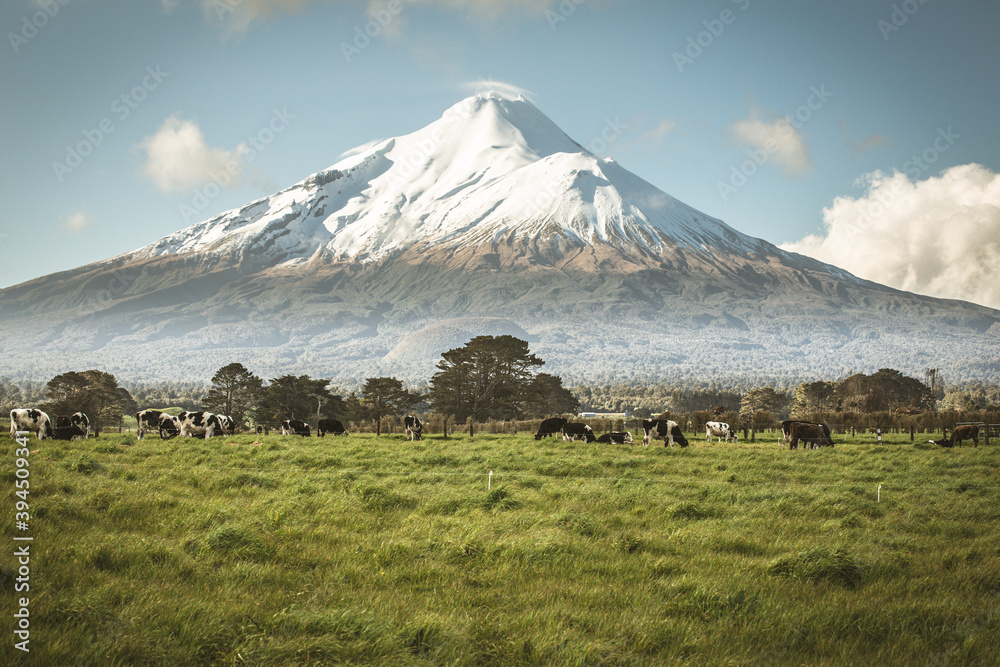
(365,550)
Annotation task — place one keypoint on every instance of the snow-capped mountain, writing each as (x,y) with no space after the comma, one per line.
(488,220)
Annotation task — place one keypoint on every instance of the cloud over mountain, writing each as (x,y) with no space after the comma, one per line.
(939,236)
(178,158)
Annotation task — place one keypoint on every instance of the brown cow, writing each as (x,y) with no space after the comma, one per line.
(964,432)
(811,435)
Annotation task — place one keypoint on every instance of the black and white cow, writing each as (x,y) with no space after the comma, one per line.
(334,426)
(80,421)
(228,425)
(147,419)
(30,419)
(663,428)
(68,428)
(617,438)
(720,430)
(414,429)
(169,426)
(573,430)
(550,426)
(198,423)
(295,427)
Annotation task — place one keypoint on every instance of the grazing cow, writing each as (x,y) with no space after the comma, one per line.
(67,429)
(663,428)
(30,419)
(148,419)
(812,435)
(414,429)
(333,426)
(295,427)
(786,428)
(617,438)
(720,430)
(80,421)
(228,425)
(964,432)
(550,426)
(169,426)
(573,430)
(198,423)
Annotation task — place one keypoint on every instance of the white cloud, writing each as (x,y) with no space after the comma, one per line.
(177,158)
(662,129)
(492,85)
(939,236)
(77,222)
(778,137)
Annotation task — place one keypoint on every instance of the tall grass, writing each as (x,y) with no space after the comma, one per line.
(365,550)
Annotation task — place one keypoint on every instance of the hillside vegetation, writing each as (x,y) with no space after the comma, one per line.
(365,550)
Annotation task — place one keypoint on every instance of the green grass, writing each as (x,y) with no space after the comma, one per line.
(365,550)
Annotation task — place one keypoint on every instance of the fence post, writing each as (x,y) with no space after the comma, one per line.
(912,430)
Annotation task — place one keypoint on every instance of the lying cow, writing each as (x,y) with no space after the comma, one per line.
(295,427)
(573,430)
(334,426)
(549,427)
(812,435)
(414,429)
(616,438)
(663,428)
(964,432)
(200,423)
(30,419)
(67,430)
(721,430)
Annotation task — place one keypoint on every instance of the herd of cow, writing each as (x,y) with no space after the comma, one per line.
(206,424)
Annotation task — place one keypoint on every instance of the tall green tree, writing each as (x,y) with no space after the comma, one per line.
(488,378)
(235,392)
(94,393)
(298,397)
(384,396)
(546,396)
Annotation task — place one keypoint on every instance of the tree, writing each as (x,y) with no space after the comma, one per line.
(762,399)
(487,378)
(298,397)
(384,396)
(814,397)
(546,396)
(94,393)
(235,392)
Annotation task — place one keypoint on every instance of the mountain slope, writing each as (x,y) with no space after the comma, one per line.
(492,219)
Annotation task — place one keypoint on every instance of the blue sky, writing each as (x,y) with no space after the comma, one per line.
(787,120)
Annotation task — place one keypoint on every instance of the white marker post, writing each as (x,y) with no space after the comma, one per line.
(879,496)
(489,483)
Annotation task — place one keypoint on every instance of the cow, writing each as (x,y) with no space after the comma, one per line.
(80,421)
(228,425)
(720,430)
(550,426)
(964,432)
(30,419)
(295,427)
(573,430)
(414,429)
(169,426)
(618,438)
(198,423)
(147,419)
(811,435)
(67,429)
(333,426)
(786,427)
(663,428)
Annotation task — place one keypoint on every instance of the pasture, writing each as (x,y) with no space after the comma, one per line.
(374,550)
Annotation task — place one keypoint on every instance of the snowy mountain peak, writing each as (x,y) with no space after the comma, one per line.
(492,168)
